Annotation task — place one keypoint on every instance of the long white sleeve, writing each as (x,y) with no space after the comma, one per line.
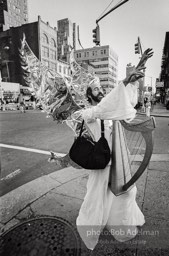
(117,105)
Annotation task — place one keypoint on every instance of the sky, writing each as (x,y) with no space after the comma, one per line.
(147,19)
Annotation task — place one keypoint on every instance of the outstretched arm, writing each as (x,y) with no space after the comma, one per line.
(139,71)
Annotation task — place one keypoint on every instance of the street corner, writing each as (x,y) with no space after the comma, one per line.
(59,205)
(18,199)
(68,174)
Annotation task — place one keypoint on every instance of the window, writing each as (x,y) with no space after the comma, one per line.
(60,69)
(45,51)
(45,39)
(52,42)
(53,66)
(53,54)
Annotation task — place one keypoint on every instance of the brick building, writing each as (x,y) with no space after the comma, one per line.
(41,38)
(13,13)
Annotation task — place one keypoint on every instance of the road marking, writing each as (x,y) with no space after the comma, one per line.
(12,174)
(154,157)
(30,150)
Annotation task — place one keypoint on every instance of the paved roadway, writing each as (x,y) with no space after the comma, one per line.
(32,131)
(29,131)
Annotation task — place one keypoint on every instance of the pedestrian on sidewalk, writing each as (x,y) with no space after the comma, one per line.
(22,107)
(148,107)
(101,207)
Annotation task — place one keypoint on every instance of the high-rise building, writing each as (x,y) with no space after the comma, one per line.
(13,13)
(105,63)
(66,38)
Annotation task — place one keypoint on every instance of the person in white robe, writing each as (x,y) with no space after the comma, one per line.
(101,208)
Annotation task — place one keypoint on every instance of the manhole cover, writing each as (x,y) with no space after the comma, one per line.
(42,236)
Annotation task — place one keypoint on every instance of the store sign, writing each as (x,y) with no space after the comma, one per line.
(159,84)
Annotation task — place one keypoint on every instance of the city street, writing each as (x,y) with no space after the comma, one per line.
(33,131)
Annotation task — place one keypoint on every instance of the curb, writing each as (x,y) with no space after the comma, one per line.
(20,198)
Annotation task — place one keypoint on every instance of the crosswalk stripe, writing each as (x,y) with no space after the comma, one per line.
(30,149)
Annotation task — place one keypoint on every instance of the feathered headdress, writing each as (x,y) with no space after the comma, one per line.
(81,78)
(53,91)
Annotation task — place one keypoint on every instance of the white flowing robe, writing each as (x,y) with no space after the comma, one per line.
(100,208)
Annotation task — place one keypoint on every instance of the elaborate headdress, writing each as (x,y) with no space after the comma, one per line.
(53,91)
(81,78)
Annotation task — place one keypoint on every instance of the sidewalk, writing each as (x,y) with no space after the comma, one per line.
(160,110)
(61,194)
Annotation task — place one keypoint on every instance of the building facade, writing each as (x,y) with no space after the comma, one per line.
(105,63)
(41,38)
(13,13)
(164,75)
(66,38)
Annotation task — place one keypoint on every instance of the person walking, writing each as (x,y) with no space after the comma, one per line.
(101,208)
(148,107)
(22,107)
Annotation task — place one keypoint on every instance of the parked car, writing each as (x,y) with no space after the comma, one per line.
(28,105)
(11,106)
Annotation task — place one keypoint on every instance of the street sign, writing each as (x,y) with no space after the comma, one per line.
(159,84)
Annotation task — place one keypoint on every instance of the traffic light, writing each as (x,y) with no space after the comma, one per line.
(96,35)
(137,48)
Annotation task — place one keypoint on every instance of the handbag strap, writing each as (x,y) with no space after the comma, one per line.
(102,128)
(81,129)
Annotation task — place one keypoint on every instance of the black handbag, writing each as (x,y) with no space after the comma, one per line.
(90,154)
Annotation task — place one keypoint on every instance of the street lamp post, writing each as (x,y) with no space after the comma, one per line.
(7,69)
(6,61)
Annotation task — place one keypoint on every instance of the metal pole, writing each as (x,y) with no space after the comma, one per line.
(7,68)
(111,10)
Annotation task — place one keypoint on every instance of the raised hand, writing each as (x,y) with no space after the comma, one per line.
(145,56)
(136,74)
